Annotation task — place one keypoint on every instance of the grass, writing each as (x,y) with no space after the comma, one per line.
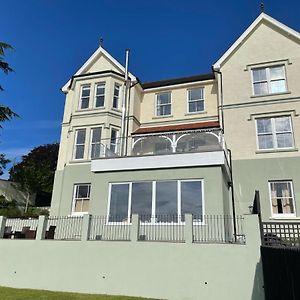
(24,294)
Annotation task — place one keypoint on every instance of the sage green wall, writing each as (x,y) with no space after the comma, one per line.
(250,175)
(214,191)
(181,271)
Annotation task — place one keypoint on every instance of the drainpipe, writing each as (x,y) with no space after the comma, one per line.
(221,98)
(229,151)
(232,195)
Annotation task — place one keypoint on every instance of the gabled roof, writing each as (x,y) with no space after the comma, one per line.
(261,18)
(173,81)
(178,127)
(100,51)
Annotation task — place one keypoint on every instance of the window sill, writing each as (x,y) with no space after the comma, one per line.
(76,161)
(162,117)
(284,217)
(78,214)
(89,109)
(116,110)
(196,113)
(268,95)
(276,150)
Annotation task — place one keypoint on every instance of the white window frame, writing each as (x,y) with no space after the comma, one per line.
(268,79)
(156,104)
(80,101)
(91,140)
(74,213)
(197,100)
(274,137)
(95,94)
(119,97)
(153,209)
(117,137)
(283,215)
(75,144)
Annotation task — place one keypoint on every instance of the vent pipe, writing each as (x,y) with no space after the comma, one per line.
(124,105)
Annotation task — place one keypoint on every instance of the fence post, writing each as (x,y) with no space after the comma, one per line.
(188,228)
(85,233)
(41,228)
(2,226)
(135,228)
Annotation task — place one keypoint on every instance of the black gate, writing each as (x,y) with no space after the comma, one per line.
(281,268)
(280,253)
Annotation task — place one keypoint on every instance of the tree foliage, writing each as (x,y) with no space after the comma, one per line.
(3,162)
(12,210)
(36,171)
(6,113)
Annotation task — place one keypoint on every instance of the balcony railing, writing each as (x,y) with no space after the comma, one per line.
(159,144)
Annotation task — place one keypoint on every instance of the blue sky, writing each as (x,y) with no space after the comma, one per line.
(52,39)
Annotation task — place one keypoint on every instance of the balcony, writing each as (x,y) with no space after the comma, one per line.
(162,150)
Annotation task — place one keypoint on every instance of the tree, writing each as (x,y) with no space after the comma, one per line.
(36,171)
(6,113)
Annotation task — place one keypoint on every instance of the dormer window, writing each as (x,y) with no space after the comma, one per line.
(269,80)
(85,96)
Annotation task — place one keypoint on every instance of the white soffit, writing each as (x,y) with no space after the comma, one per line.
(249,30)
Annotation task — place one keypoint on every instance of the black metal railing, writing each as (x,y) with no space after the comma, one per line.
(218,229)
(162,228)
(65,227)
(110,228)
(285,234)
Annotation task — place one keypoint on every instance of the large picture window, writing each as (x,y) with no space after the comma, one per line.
(154,201)
(282,198)
(274,133)
(269,80)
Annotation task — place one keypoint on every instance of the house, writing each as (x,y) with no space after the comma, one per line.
(200,144)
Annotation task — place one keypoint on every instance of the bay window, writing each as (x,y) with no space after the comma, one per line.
(116,96)
(85,96)
(95,142)
(79,143)
(100,94)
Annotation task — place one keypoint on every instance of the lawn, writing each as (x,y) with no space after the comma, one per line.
(24,294)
